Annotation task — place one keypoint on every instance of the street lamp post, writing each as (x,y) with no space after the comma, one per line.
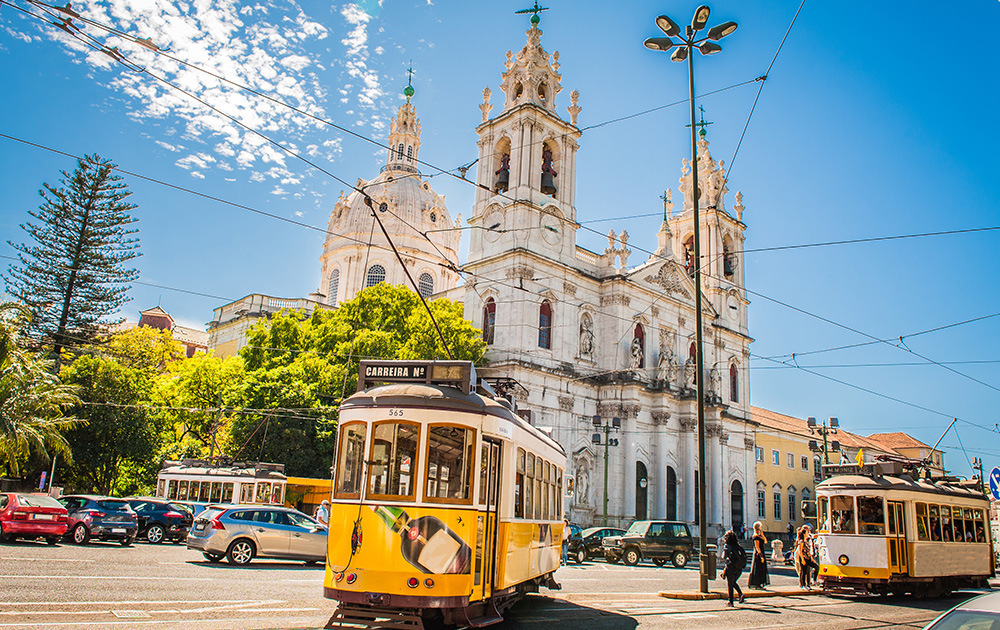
(616,425)
(707,46)
(824,430)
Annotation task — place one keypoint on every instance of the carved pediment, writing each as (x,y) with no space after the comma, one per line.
(670,279)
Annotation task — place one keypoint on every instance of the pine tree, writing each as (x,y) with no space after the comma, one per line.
(75,276)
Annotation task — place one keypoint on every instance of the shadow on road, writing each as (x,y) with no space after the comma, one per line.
(258,565)
(535,609)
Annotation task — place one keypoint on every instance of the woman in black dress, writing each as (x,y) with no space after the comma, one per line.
(758,565)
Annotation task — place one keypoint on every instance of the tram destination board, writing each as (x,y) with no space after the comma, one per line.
(459,374)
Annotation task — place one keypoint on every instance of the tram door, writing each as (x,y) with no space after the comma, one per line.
(897,538)
(488,541)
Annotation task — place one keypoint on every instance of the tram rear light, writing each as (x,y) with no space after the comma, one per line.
(413,582)
(352,578)
(429,583)
(843,559)
(338,576)
(866,571)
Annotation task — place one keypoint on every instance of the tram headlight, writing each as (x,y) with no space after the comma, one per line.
(413,582)
(843,559)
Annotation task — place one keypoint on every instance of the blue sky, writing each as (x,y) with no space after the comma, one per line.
(877,119)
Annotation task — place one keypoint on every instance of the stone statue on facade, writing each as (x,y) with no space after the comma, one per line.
(586,338)
(714,383)
(689,371)
(666,368)
(635,353)
(582,486)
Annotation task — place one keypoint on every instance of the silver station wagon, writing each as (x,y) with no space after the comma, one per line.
(241,533)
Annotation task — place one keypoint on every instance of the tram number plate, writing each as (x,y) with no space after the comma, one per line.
(395,413)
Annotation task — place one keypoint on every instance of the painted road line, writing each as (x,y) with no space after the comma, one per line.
(159,578)
(133,602)
(48,559)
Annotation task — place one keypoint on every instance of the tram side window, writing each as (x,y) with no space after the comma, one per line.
(923,528)
(182,490)
(394,457)
(449,463)
(823,514)
(519,485)
(539,471)
(172,489)
(227,493)
(159,488)
(946,524)
(958,524)
(246,493)
(529,487)
(193,491)
(842,511)
(205,492)
(980,528)
(484,464)
(350,459)
(216,491)
(263,491)
(559,493)
(935,518)
(871,516)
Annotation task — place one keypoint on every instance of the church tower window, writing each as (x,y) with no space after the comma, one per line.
(399,152)
(545,326)
(426,284)
(734,383)
(489,320)
(409,153)
(333,287)
(728,259)
(549,173)
(376,275)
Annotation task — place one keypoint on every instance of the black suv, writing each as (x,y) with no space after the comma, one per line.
(658,541)
(588,544)
(161,520)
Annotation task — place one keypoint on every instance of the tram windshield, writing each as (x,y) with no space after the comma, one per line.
(393,460)
(823,514)
(842,513)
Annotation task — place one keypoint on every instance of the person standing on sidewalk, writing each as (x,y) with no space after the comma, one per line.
(735,560)
(791,534)
(804,562)
(758,564)
(567,532)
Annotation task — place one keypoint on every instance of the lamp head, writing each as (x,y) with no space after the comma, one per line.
(700,17)
(835,446)
(668,26)
(709,48)
(596,438)
(663,44)
(616,423)
(596,420)
(835,423)
(721,30)
(813,446)
(680,54)
(810,422)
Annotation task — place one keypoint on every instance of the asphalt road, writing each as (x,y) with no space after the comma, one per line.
(104,585)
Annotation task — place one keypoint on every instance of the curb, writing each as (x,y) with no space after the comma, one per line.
(698,596)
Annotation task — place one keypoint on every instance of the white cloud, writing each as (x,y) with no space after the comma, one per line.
(167,146)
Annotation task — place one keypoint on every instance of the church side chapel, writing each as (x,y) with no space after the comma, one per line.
(593,337)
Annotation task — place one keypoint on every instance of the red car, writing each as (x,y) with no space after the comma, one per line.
(32,516)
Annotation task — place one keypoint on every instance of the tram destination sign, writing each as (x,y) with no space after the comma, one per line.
(870,470)
(458,374)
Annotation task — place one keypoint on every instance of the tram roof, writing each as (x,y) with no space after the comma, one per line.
(864,482)
(223,471)
(442,397)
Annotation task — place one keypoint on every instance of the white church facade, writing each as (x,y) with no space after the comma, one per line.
(590,336)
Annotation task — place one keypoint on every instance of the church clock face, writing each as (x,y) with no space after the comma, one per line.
(551,229)
(493,222)
(733,307)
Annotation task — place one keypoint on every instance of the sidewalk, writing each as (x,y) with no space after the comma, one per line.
(749,594)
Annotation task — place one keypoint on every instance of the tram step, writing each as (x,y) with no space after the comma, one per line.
(347,615)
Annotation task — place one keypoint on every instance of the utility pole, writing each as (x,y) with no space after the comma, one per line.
(606,442)
(977,464)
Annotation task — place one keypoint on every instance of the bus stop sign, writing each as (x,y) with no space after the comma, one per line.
(995,483)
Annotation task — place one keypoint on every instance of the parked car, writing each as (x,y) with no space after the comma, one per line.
(978,612)
(588,545)
(658,541)
(31,516)
(160,520)
(241,533)
(104,518)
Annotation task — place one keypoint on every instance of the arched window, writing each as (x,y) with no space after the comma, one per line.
(331,292)
(639,346)
(376,275)
(426,284)
(489,320)
(728,259)
(641,483)
(409,153)
(736,504)
(689,255)
(545,325)
(734,383)
(761,501)
(399,152)
(792,517)
(671,494)
(776,495)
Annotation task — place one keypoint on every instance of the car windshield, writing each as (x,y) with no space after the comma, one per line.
(117,506)
(637,527)
(590,530)
(181,508)
(28,500)
(968,620)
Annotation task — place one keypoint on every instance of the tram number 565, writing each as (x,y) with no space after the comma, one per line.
(395,413)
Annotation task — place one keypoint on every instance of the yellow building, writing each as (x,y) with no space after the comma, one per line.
(786,471)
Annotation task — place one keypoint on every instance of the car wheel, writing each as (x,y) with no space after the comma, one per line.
(611,559)
(632,557)
(240,552)
(155,533)
(81,534)
(212,557)
(679,559)
(125,542)
(581,556)
(659,561)
(52,540)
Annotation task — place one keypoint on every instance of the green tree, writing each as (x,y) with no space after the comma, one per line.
(75,276)
(32,399)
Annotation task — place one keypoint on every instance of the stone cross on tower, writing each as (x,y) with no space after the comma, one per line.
(702,124)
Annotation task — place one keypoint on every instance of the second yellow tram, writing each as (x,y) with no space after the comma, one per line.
(447,506)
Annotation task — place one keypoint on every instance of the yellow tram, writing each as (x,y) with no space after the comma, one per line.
(894,534)
(447,506)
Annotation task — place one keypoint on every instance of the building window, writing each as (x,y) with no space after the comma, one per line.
(376,275)
(760,453)
(489,320)
(777,503)
(545,326)
(791,505)
(775,458)
(697,497)
(736,504)
(333,287)
(734,383)
(409,154)
(805,463)
(400,152)
(671,494)
(791,460)
(761,504)
(426,284)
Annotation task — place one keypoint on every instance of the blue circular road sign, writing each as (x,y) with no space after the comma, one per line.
(995,483)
